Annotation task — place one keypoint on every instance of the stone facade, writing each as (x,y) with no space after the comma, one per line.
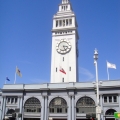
(15,96)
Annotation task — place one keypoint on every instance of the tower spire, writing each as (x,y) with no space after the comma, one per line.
(64,59)
(65,1)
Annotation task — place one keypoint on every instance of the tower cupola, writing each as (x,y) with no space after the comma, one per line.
(65,1)
(65,6)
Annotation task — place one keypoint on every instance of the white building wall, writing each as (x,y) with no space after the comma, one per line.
(69,61)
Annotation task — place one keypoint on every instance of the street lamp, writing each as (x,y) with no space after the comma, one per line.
(97,84)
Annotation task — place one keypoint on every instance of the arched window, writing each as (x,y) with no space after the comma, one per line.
(10,111)
(32,105)
(85,105)
(110,112)
(58,105)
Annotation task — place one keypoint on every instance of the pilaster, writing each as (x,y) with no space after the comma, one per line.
(1,108)
(69,109)
(4,106)
(42,109)
(21,108)
(45,108)
(73,108)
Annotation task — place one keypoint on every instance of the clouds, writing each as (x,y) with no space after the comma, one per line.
(85,74)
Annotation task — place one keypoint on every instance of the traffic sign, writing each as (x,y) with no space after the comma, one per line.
(117,114)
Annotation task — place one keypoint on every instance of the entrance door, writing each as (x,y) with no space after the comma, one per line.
(83,119)
(59,119)
(10,118)
(110,119)
(31,118)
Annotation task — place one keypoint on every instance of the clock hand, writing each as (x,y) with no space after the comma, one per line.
(65,47)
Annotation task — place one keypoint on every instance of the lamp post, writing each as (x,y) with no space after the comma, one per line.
(97,84)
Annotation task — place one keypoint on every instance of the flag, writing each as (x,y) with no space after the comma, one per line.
(62,70)
(110,65)
(7,79)
(18,72)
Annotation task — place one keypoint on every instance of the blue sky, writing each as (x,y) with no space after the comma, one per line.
(25,38)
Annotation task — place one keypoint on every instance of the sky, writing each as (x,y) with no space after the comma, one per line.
(25,39)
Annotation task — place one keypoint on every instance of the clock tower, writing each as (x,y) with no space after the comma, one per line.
(64,59)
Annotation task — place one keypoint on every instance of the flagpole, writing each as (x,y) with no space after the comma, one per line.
(15,78)
(107,71)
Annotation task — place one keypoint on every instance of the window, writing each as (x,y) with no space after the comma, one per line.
(63,22)
(63,58)
(32,105)
(57,23)
(66,22)
(115,98)
(70,21)
(59,110)
(77,110)
(12,100)
(66,7)
(62,79)
(15,100)
(58,105)
(110,99)
(110,112)
(105,99)
(60,22)
(8,100)
(69,68)
(85,105)
(51,110)
(56,69)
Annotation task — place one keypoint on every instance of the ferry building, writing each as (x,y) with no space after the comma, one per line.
(64,98)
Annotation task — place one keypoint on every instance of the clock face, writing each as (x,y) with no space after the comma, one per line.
(63,46)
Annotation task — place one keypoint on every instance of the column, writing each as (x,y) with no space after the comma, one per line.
(18,105)
(18,102)
(45,108)
(4,106)
(73,108)
(21,108)
(42,109)
(101,104)
(69,109)
(1,108)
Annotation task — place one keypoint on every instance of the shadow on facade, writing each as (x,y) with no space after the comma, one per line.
(110,119)
(31,118)
(10,118)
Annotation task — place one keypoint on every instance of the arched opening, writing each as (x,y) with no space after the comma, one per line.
(32,105)
(109,115)
(110,112)
(85,105)
(58,105)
